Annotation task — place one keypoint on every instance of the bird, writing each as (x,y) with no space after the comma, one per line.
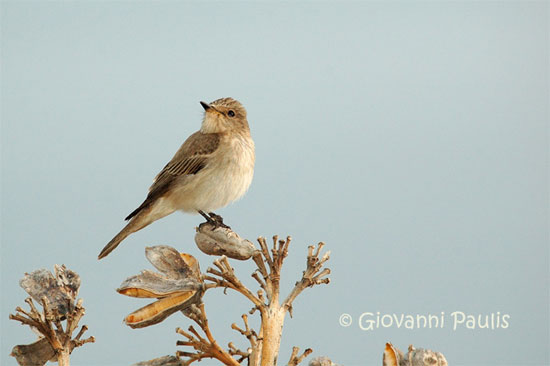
(213,168)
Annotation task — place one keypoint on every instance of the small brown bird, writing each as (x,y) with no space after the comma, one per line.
(212,168)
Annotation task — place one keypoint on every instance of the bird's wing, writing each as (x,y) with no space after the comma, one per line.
(191,157)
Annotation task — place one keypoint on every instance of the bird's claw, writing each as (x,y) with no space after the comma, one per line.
(214,219)
(217,220)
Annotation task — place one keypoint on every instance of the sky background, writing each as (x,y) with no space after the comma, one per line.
(411,137)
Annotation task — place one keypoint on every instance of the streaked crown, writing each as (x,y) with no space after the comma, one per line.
(226,114)
(230,103)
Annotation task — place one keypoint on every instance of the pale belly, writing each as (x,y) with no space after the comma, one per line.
(219,183)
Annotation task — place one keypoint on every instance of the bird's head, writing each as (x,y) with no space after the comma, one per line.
(224,115)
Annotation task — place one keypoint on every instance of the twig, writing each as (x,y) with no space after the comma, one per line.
(249,333)
(59,339)
(295,359)
(234,351)
(311,276)
(205,347)
(228,279)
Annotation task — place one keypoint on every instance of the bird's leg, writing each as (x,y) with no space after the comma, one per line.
(218,220)
(213,219)
(208,218)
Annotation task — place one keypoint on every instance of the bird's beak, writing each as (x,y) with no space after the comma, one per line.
(205,105)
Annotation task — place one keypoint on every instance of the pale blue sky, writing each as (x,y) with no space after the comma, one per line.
(411,137)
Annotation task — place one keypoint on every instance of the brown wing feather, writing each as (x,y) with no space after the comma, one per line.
(191,157)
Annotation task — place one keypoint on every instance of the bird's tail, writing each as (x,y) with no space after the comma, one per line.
(143,216)
(138,222)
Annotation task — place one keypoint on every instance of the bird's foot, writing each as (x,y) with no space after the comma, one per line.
(214,219)
(218,221)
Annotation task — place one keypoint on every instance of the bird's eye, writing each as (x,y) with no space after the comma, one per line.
(231,113)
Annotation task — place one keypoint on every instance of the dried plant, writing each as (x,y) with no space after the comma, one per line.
(394,357)
(57,296)
(415,357)
(177,287)
(180,287)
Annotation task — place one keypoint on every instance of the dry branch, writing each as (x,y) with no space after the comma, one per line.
(181,287)
(295,359)
(253,353)
(228,279)
(205,347)
(313,275)
(269,261)
(57,296)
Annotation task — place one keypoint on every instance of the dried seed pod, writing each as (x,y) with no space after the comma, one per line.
(321,361)
(162,361)
(154,285)
(34,354)
(178,287)
(415,357)
(392,356)
(60,290)
(425,357)
(172,263)
(223,241)
(159,310)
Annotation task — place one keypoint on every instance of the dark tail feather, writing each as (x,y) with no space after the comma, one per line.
(144,205)
(137,223)
(114,242)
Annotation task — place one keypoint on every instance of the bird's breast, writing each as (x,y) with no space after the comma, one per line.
(237,167)
(225,178)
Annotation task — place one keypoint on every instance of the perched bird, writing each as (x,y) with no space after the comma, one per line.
(212,168)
